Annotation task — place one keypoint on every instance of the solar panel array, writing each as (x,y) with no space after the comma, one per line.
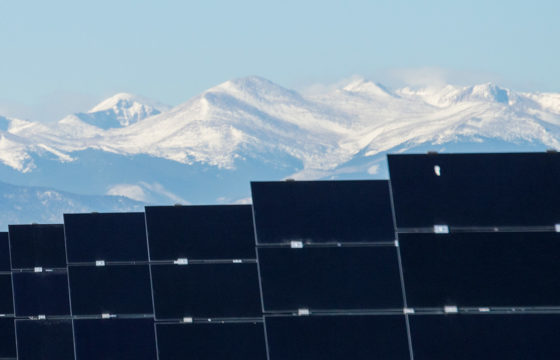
(478,238)
(455,258)
(329,270)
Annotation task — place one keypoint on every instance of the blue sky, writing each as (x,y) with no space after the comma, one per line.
(62,56)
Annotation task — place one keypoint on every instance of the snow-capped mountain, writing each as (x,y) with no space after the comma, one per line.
(208,148)
(121,110)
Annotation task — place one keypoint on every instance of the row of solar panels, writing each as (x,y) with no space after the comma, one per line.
(518,337)
(324,249)
(464,269)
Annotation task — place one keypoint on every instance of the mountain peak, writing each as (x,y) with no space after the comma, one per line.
(126,100)
(364,86)
(489,91)
(121,110)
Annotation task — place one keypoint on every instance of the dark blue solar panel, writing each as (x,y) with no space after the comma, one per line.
(37,245)
(107,236)
(45,340)
(110,289)
(115,339)
(217,290)
(201,232)
(232,341)
(322,211)
(476,189)
(4,252)
(337,337)
(481,269)
(468,337)
(7,338)
(43,293)
(6,298)
(330,278)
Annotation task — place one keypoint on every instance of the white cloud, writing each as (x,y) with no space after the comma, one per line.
(134,192)
(157,188)
(146,192)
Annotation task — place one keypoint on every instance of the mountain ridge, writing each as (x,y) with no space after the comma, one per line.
(208,148)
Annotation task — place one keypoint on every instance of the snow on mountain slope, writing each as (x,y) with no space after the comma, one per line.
(254,119)
(207,149)
(239,119)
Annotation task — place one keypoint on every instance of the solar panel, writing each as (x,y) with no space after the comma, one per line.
(207,291)
(6,298)
(467,337)
(108,236)
(481,269)
(44,340)
(322,211)
(337,337)
(37,245)
(123,289)
(476,189)
(200,232)
(4,252)
(43,293)
(330,278)
(7,338)
(115,339)
(232,341)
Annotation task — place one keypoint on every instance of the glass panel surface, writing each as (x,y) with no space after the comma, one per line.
(232,341)
(6,297)
(217,290)
(45,340)
(476,189)
(115,339)
(108,236)
(481,269)
(347,278)
(37,246)
(123,289)
(7,338)
(468,337)
(201,232)
(4,252)
(322,211)
(43,293)
(337,337)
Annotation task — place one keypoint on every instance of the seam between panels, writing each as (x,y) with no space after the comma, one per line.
(401,273)
(151,283)
(13,294)
(260,282)
(69,293)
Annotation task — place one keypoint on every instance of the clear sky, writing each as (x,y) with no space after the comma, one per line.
(60,56)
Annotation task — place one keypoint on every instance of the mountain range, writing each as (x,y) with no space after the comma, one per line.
(130,150)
